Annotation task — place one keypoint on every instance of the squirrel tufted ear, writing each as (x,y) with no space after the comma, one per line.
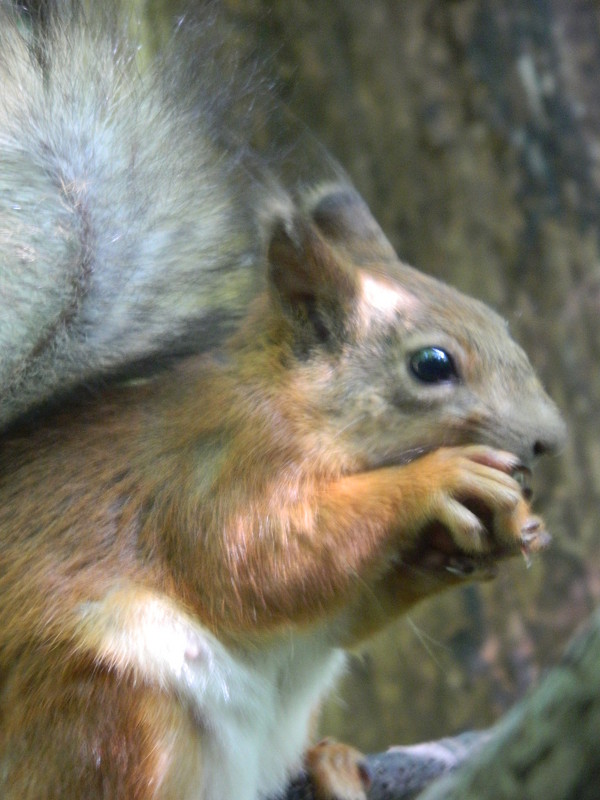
(343,217)
(311,279)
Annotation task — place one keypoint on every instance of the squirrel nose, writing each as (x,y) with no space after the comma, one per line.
(553,437)
(543,447)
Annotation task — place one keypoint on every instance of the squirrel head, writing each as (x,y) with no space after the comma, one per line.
(396,362)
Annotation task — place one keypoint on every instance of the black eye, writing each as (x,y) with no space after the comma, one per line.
(433,365)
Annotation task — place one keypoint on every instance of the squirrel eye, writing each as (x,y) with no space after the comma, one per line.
(433,365)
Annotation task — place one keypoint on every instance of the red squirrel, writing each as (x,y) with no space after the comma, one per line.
(185,556)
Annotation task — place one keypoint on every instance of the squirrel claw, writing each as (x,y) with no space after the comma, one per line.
(534,536)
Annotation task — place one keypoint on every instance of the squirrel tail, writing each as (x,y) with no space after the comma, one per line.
(125,227)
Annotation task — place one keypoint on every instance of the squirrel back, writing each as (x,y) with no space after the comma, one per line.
(127,222)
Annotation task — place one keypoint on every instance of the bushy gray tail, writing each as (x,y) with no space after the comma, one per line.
(125,231)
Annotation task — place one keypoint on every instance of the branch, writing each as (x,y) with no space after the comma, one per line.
(546,747)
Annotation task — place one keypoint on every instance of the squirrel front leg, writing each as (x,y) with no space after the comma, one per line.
(316,556)
(456,544)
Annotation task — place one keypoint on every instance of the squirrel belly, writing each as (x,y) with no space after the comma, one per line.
(335,436)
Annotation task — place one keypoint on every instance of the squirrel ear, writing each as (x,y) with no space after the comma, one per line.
(314,284)
(343,217)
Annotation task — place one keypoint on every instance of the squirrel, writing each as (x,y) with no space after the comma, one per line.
(187,554)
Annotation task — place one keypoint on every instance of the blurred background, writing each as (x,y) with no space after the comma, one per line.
(472,130)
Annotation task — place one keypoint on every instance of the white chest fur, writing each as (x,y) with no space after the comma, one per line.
(250,709)
(257,736)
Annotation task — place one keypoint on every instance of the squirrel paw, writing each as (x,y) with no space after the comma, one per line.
(481,510)
(337,771)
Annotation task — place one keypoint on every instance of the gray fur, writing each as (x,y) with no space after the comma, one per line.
(123,233)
